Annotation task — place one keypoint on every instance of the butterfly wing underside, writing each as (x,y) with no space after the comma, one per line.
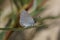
(25,19)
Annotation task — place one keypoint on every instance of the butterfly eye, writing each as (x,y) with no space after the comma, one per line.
(25,19)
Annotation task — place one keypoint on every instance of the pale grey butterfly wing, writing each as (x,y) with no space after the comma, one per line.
(25,19)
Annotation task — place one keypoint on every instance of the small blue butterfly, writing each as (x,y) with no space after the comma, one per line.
(25,19)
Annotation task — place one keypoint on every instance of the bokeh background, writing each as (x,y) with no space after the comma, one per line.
(44,12)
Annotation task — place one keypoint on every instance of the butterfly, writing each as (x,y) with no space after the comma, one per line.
(25,19)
